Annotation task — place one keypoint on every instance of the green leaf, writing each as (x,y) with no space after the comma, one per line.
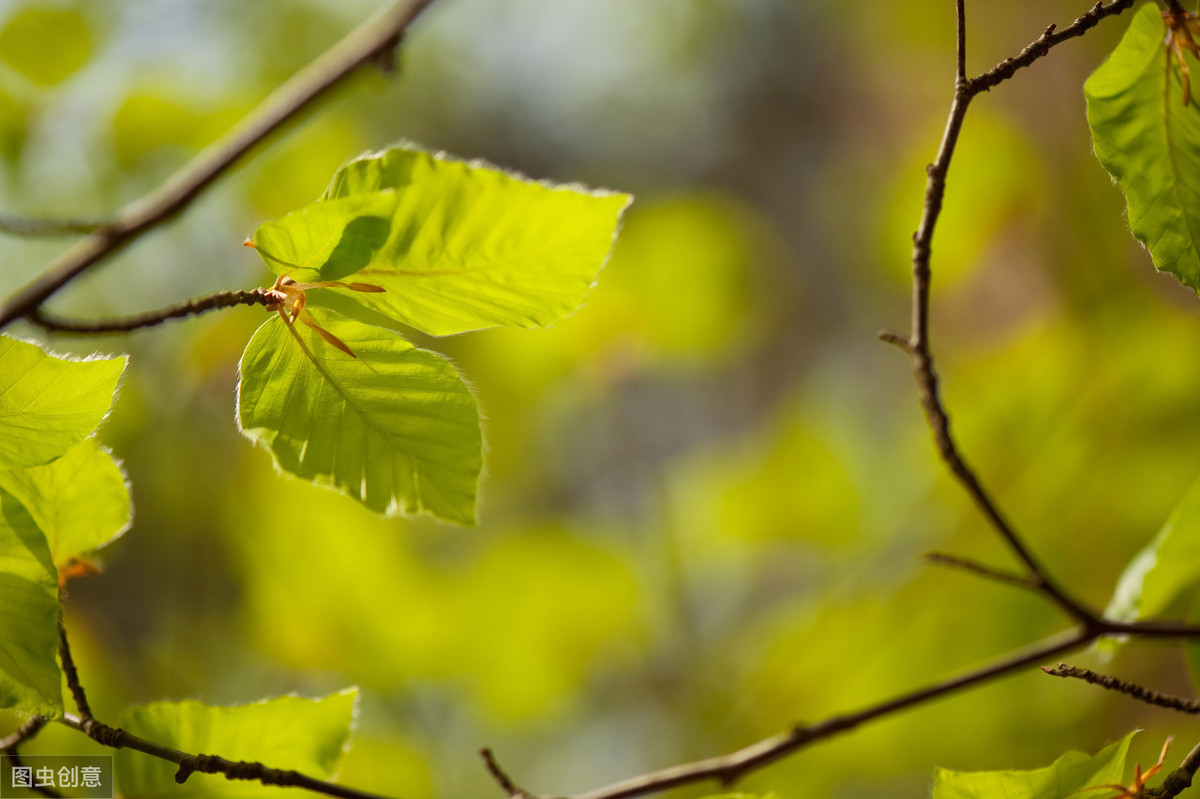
(395,428)
(1168,567)
(30,680)
(288,732)
(1070,774)
(468,246)
(48,404)
(1150,143)
(80,501)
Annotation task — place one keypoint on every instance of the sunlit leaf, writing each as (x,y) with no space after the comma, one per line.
(48,404)
(1070,774)
(80,501)
(288,732)
(29,676)
(395,428)
(468,247)
(46,45)
(1149,141)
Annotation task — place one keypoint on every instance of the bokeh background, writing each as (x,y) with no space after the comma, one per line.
(706,492)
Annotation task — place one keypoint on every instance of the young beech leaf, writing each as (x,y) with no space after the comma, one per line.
(288,732)
(48,404)
(30,680)
(1068,775)
(467,246)
(79,501)
(1149,141)
(395,427)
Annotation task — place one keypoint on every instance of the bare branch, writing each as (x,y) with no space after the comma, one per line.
(1178,780)
(222,299)
(502,778)
(1042,44)
(70,673)
(209,764)
(46,228)
(25,732)
(980,570)
(918,345)
(1138,692)
(363,45)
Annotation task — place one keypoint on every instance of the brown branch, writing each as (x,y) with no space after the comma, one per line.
(1178,780)
(222,299)
(70,672)
(501,777)
(728,769)
(47,228)
(1041,45)
(25,732)
(918,342)
(1130,689)
(208,764)
(367,44)
(981,570)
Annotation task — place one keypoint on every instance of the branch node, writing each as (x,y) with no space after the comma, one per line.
(895,337)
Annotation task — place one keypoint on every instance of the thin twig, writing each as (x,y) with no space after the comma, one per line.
(364,45)
(25,732)
(501,777)
(728,769)
(918,345)
(222,299)
(71,673)
(208,764)
(1130,689)
(1041,45)
(981,570)
(1178,780)
(46,228)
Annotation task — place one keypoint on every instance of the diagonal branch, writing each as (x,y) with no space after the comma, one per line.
(211,302)
(1130,689)
(370,42)
(17,226)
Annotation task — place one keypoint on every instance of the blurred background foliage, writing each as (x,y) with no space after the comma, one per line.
(708,491)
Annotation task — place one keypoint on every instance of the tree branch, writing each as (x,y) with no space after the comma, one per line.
(222,299)
(366,44)
(728,769)
(980,570)
(188,763)
(1178,780)
(208,764)
(918,342)
(17,226)
(1130,689)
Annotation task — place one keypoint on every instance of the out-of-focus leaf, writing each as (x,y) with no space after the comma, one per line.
(48,404)
(395,428)
(288,732)
(80,501)
(1068,775)
(46,45)
(30,680)
(1150,143)
(468,247)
